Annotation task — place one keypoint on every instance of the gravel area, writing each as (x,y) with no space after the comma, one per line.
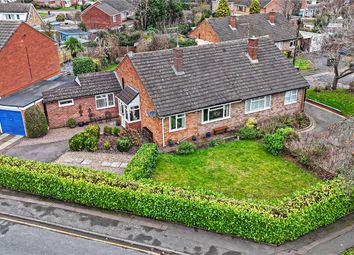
(113,162)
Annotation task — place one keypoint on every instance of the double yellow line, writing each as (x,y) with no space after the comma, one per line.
(78,235)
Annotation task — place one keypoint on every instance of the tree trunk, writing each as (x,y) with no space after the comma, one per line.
(335,83)
(336,74)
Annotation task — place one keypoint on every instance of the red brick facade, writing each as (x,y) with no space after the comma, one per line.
(205,32)
(57,116)
(28,57)
(194,126)
(94,18)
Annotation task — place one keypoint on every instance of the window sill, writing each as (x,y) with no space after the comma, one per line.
(105,107)
(211,121)
(132,121)
(258,110)
(176,130)
(290,103)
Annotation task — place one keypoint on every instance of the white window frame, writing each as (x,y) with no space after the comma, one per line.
(122,107)
(254,100)
(129,108)
(214,108)
(114,19)
(106,97)
(66,102)
(178,116)
(290,97)
(292,44)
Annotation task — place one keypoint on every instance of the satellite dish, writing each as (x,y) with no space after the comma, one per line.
(152,114)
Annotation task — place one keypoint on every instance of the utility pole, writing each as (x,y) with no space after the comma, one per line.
(299,22)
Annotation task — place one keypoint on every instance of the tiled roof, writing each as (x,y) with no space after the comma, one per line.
(15,7)
(255,24)
(214,74)
(89,84)
(114,7)
(128,94)
(107,9)
(7,28)
(262,3)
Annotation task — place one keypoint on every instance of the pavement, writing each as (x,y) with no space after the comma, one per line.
(330,240)
(7,140)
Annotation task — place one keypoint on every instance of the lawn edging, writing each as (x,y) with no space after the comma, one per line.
(286,220)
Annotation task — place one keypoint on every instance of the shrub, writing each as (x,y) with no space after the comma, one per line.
(250,123)
(213,143)
(274,143)
(71,122)
(275,223)
(83,65)
(116,131)
(107,130)
(124,144)
(248,133)
(223,9)
(77,142)
(107,145)
(93,130)
(91,144)
(60,17)
(36,122)
(186,148)
(143,162)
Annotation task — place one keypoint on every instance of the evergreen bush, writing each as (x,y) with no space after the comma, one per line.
(83,65)
(36,122)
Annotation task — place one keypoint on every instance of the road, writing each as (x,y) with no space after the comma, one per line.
(19,239)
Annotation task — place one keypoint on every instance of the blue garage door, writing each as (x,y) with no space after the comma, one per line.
(11,122)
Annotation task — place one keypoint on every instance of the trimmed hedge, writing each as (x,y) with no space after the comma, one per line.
(286,219)
(143,162)
(83,65)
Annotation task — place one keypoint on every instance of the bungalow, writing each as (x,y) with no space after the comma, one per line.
(242,7)
(89,97)
(273,24)
(107,14)
(177,93)
(20,12)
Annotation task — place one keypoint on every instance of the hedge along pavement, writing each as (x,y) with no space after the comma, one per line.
(285,220)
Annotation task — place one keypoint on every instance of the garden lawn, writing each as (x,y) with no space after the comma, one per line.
(240,169)
(110,67)
(340,99)
(304,64)
(43,14)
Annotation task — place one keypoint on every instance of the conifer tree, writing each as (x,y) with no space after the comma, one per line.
(223,9)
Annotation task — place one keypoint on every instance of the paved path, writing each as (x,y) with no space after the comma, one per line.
(7,140)
(168,235)
(322,117)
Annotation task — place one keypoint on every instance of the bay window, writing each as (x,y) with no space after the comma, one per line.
(177,122)
(290,97)
(104,101)
(257,104)
(129,113)
(216,113)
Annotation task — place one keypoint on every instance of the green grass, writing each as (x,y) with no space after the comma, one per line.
(69,8)
(241,169)
(110,67)
(340,99)
(304,64)
(350,251)
(43,14)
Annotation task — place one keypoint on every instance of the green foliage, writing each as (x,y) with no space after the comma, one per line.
(251,123)
(91,143)
(107,145)
(60,17)
(108,130)
(115,131)
(187,42)
(223,9)
(186,148)
(93,130)
(255,7)
(128,38)
(74,46)
(284,220)
(143,162)
(83,65)
(82,26)
(274,143)
(77,142)
(213,143)
(124,144)
(71,122)
(36,122)
(247,133)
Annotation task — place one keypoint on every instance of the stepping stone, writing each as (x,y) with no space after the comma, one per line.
(124,165)
(86,162)
(116,164)
(105,163)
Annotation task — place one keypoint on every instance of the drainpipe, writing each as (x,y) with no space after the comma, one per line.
(163,131)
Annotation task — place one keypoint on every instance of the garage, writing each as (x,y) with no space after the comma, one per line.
(11,122)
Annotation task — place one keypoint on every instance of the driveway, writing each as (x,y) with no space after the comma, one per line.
(322,117)
(45,152)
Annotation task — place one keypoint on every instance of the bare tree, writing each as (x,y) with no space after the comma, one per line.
(338,40)
(286,8)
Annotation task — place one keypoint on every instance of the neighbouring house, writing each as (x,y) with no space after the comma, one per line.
(13,107)
(65,34)
(90,97)
(232,28)
(27,56)
(20,12)
(177,93)
(310,8)
(57,3)
(107,14)
(311,42)
(242,7)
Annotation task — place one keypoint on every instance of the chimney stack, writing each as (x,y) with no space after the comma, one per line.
(253,48)
(272,16)
(178,60)
(232,22)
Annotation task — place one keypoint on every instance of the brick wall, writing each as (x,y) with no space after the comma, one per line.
(205,32)
(34,18)
(275,5)
(57,116)
(94,18)
(28,57)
